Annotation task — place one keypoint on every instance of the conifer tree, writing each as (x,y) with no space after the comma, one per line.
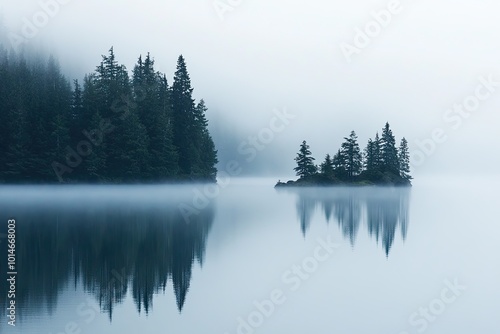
(197,154)
(326,166)
(153,106)
(352,155)
(389,151)
(377,154)
(126,150)
(404,160)
(208,153)
(369,161)
(305,162)
(339,164)
(169,163)
(183,118)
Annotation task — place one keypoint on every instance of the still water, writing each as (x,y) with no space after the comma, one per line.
(252,259)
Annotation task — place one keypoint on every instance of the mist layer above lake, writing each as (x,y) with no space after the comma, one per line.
(125,259)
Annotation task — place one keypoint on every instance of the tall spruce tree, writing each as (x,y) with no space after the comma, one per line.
(377,154)
(169,163)
(305,162)
(369,161)
(183,118)
(339,164)
(208,154)
(326,166)
(197,154)
(151,94)
(404,160)
(352,155)
(126,150)
(18,100)
(389,152)
(77,112)
(89,128)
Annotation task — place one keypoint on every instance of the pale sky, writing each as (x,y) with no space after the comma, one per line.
(266,55)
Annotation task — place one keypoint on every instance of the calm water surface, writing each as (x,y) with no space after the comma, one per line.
(252,259)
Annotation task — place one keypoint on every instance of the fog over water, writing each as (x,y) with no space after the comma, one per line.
(263,56)
(241,256)
(123,259)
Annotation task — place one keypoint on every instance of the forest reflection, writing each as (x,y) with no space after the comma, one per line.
(381,209)
(110,250)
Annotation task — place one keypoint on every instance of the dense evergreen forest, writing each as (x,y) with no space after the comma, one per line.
(381,162)
(112,128)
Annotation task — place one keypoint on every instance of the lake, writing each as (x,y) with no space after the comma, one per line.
(247,258)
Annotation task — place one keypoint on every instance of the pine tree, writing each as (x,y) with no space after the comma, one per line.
(17,98)
(352,155)
(404,160)
(305,162)
(377,154)
(5,105)
(133,149)
(77,115)
(208,153)
(369,160)
(58,105)
(169,163)
(150,94)
(389,152)
(127,149)
(95,165)
(183,118)
(326,166)
(339,164)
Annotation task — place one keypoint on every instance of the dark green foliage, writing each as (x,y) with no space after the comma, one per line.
(389,152)
(152,99)
(351,155)
(183,118)
(112,128)
(381,163)
(205,166)
(339,166)
(326,166)
(369,156)
(305,162)
(197,154)
(404,160)
(372,156)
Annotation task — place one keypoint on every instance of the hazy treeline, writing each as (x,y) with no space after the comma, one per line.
(110,128)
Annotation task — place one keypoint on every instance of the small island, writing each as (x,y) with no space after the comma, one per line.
(381,163)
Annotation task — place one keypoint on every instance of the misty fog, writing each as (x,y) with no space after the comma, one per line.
(253,57)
